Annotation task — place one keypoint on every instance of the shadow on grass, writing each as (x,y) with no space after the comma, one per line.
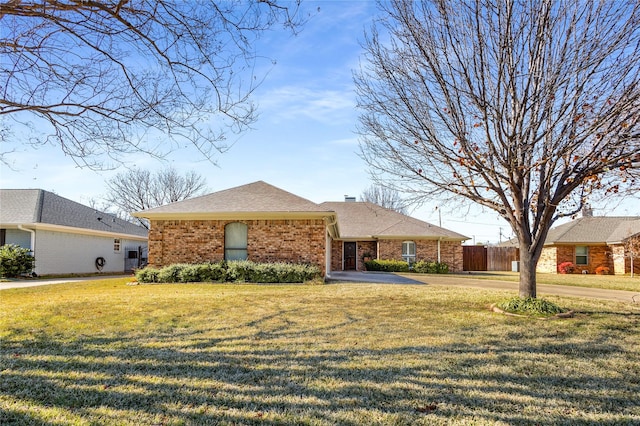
(286,375)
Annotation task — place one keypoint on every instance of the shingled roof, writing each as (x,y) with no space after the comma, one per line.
(257,198)
(363,220)
(594,230)
(40,207)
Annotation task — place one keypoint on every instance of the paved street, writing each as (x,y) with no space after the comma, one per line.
(452,280)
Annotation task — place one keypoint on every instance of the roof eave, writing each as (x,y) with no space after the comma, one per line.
(233,215)
(82,231)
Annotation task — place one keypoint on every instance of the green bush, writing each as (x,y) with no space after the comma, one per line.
(387,265)
(530,306)
(15,260)
(234,271)
(425,267)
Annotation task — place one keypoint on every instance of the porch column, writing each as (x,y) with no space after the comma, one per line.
(327,255)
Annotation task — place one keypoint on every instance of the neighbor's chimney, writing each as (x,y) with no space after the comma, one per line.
(587,211)
(348,199)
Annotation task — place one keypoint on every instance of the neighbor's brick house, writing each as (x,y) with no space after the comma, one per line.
(590,242)
(263,223)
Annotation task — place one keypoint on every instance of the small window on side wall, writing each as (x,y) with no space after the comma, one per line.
(235,241)
(409,251)
(582,255)
(116,245)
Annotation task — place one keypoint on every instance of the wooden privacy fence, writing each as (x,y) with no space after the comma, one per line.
(481,258)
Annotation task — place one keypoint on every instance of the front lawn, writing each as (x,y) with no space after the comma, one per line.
(104,352)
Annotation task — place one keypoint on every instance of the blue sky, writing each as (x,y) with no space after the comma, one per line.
(304,140)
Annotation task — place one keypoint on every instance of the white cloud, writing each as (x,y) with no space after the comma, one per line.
(289,103)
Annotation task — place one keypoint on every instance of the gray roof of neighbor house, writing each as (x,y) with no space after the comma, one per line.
(37,206)
(594,230)
(251,200)
(363,220)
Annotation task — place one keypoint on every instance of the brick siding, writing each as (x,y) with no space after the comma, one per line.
(195,241)
(553,256)
(427,250)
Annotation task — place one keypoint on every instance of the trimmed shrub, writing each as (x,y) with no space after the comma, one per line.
(147,275)
(425,267)
(15,260)
(214,272)
(235,271)
(387,265)
(602,270)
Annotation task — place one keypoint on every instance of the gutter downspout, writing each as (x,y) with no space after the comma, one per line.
(33,240)
(439,239)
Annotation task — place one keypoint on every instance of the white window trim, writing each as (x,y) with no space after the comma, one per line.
(410,258)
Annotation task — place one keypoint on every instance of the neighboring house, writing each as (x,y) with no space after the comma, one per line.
(263,223)
(67,237)
(590,242)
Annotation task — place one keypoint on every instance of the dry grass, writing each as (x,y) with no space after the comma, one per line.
(107,353)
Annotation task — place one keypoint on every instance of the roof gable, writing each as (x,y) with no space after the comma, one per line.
(254,198)
(358,220)
(37,206)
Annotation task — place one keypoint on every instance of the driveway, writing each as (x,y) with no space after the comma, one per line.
(370,277)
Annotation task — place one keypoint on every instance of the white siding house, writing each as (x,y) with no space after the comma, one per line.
(67,237)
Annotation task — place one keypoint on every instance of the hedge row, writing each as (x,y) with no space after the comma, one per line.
(387,265)
(422,267)
(233,271)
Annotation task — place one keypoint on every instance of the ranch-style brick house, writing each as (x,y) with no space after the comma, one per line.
(590,242)
(263,223)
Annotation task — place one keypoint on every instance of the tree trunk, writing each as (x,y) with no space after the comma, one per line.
(528,263)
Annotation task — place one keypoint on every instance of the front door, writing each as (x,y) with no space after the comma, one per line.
(349,256)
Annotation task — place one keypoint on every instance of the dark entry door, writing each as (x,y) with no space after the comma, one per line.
(349,256)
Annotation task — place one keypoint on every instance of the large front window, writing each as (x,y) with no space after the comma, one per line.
(235,241)
(409,251)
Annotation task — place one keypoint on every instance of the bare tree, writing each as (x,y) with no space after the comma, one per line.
(386,197)
(104,78)
(137,190)
(529,108)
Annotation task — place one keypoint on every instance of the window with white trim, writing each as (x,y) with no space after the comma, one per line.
(116,245)
(235,241)
(409,251)
(582,255)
